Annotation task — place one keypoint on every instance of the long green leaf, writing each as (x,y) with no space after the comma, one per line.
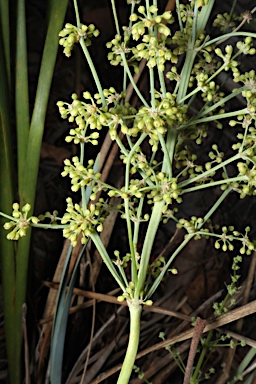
(61,318)
(5,36)
(27,189)
(7,251)
(21,92)
(58,10)
(60,324)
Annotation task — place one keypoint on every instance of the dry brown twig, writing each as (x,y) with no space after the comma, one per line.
(198,330)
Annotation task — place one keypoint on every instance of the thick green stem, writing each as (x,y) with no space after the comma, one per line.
(148,244)
(131,352)
(156,215)
(185,74)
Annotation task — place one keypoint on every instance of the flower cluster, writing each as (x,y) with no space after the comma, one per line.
(170,214)
(77,135)
(229,234)
(181,40)
(208,88)
(225,239)
(134,213)
(96,116)
(247,187)
(119,47)
(173,75)
(166,190)
(248,141)
(83,222)
(246,183)
(139,163)
(187,13)
(21,222)
(242,188)
(197,134)
(210,91)
(156,266)
(192,226)
(246,47)
(120,114)
(121,261)
(155,121)
(215,156)
(187,162)
(80,176)
(72,34)
(135,189)
(149,21)
(229,63)
(249,80)
(154,51)
(224,21)
(206,65)
(82,113)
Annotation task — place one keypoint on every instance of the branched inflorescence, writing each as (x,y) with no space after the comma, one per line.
(175,113)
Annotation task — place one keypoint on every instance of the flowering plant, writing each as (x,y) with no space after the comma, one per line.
(183,63)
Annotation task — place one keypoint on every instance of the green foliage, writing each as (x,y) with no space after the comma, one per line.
(29,132)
